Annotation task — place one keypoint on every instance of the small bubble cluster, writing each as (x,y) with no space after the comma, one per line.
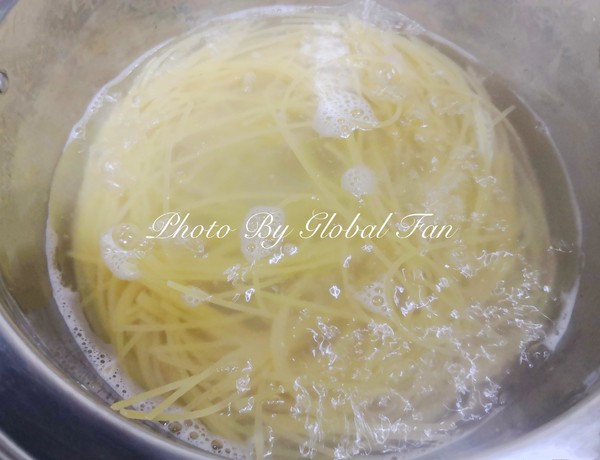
(257,240)
(325,47)
(340,109)
(359,181)
(373,297)
(122,247)
(341,112)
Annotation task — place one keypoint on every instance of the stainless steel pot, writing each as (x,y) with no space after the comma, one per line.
(54,56)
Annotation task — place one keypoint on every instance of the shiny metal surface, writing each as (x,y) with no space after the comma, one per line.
(58,54)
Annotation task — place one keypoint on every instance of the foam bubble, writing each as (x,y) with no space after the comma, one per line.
(359,181)
(121,251)
(100,355)
(340,112)
(325,48)
(340,109)
(258,239)
(373,297)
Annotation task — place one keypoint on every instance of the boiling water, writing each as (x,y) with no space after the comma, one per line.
(405,417)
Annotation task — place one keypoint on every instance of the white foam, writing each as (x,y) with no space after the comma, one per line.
(120,261)
(256,244)
(359,181)
(325,48)
(374,298)
(341,110)
(100,355)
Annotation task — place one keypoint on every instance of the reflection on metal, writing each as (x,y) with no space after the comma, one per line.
(10,451)
(5,6)
(3,81)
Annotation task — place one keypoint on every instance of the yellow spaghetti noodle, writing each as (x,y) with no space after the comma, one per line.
(318,346)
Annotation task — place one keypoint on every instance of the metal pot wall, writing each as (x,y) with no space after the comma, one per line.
(54,56)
